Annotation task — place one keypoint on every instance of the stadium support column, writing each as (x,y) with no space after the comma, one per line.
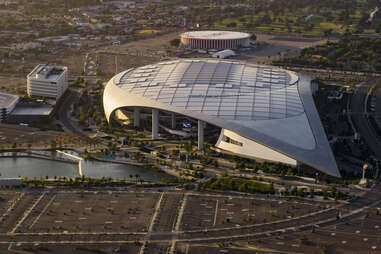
(200,135)
(173,121)
(136,117)
(155,123)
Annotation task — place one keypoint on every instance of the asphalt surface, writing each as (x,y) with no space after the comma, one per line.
(360,119)
(64,111)
(322,220)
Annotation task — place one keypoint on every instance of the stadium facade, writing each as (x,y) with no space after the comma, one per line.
(263,112)
(215,39)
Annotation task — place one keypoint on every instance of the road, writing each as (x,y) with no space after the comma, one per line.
(64,110)
(360,120)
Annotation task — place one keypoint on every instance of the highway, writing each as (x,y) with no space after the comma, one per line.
(360,120)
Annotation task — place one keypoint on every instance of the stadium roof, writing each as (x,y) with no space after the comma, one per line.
(216,35)
(268,105)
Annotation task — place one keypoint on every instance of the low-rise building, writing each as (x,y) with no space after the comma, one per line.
(38,113)
(224,54)
(47,81)
(7,104)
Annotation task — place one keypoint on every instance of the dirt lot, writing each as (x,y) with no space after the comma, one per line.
(294,41)
(220,212)
(72,58)
(13,85)
(107,62)
(102,212)
(157,43)
(272,47)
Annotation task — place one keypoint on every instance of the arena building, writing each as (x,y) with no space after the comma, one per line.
(215,39)
(253,111)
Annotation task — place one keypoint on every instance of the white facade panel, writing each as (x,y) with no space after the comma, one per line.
(249,148)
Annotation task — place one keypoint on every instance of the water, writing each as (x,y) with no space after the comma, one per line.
(32,167)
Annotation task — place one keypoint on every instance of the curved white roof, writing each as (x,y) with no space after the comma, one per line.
(215,35)
(268,105)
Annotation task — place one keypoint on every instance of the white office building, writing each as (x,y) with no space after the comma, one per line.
(47,81)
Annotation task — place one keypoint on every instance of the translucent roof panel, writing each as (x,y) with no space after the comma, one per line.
(231,90)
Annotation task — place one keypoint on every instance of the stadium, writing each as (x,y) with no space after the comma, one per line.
(215,40)
(252,111)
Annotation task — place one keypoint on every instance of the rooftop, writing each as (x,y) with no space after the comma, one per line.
(226,89)
(48,72)
(214,35)
(6,100)
(43,110)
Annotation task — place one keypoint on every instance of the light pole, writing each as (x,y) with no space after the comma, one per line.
(363,179)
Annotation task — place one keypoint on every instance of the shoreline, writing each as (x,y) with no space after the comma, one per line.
(31,154)
(35,156)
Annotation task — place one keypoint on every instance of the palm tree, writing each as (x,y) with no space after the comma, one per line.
(136,177)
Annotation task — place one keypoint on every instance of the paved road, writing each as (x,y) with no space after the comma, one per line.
(64,110)
(378,105)
(360,120)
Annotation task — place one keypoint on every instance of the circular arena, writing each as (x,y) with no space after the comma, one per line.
(215,39)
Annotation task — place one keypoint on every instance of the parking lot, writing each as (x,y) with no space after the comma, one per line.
(146,221)
(6,199)
(72,248)
(220,212)
(91,212)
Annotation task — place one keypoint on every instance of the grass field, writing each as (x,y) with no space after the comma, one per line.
(291,23)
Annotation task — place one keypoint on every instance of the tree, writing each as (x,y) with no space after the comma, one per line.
(175,42)
(136,177)
(53,144)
